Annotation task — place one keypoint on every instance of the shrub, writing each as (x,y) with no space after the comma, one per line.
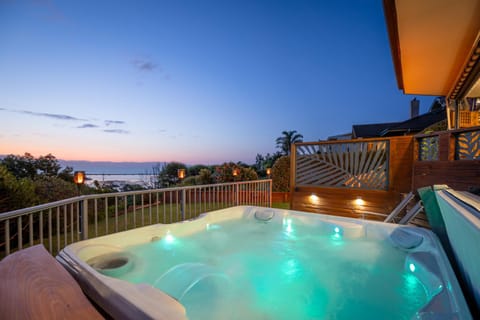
(15,193)
(281,174)
(204,177)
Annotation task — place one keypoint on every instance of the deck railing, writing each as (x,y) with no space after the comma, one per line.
(448,157)
(461,144)
(57,224)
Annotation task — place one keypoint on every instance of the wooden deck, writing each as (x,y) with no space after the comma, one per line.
(33,285)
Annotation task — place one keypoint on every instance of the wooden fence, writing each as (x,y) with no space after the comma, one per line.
(351,177)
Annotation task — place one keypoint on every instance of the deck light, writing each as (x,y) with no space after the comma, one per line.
(314,198)
(359,201)
(181,173)
(269,172)
(79,177)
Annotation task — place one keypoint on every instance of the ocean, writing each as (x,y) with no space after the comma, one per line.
(115,172)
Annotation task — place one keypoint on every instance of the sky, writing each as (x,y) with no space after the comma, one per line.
(191,81)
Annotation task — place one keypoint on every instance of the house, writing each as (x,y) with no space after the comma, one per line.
(417,123)
(435,47)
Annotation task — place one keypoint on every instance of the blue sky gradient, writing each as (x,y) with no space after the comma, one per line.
(193,81)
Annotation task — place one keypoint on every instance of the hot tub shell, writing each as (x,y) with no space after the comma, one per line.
(122,299)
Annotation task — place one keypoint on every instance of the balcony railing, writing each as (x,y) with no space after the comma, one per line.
(60,223)
(462,144)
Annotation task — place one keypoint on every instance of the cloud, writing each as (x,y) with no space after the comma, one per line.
(119,131)
(44,114)
(144,65)
(109,122)
(87,125)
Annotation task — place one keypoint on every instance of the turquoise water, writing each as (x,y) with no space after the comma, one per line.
(248,269)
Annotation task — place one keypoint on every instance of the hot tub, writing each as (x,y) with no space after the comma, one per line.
(262,263)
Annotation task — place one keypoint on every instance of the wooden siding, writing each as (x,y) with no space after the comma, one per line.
(280,196)
(341,201)
(401,159)
(458,174)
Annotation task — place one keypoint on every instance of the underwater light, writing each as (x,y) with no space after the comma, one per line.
(169,238)
(288,225)
(337,233)
(411,266)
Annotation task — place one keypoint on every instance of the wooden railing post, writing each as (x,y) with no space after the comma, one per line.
(446,148)
(83,219)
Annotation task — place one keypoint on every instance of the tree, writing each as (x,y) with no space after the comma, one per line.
(264,162)
(195,170)
(20,166)
(47,165)
(168,175)
(224,173)
(66,174)
(284,142)
(49,189)
(204,176)
(281,175)
(15,193)
(27,166)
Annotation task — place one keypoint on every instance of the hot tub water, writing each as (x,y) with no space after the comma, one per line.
(250,269)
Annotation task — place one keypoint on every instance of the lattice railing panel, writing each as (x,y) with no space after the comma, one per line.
(467,146)
(352,165)
(428,148)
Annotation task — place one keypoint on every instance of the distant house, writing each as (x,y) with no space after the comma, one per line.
(342,136)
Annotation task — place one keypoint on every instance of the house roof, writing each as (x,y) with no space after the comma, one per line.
(371,130)
(412,125)
(434,43)
(415,124)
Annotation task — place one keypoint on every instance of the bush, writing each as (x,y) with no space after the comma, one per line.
(50,189)
(189,181)
(204,177)
(281,174)
(15,193)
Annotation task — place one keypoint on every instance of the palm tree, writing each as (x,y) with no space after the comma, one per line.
(284,142)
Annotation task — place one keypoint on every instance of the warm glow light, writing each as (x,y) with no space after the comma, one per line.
(269,171)
(79,177)
(359,201)
(235,172)
(181,173)
(314,198)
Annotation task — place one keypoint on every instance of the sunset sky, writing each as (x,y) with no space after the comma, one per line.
(191,81)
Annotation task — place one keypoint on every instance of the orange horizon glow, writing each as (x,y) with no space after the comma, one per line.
(124,156)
